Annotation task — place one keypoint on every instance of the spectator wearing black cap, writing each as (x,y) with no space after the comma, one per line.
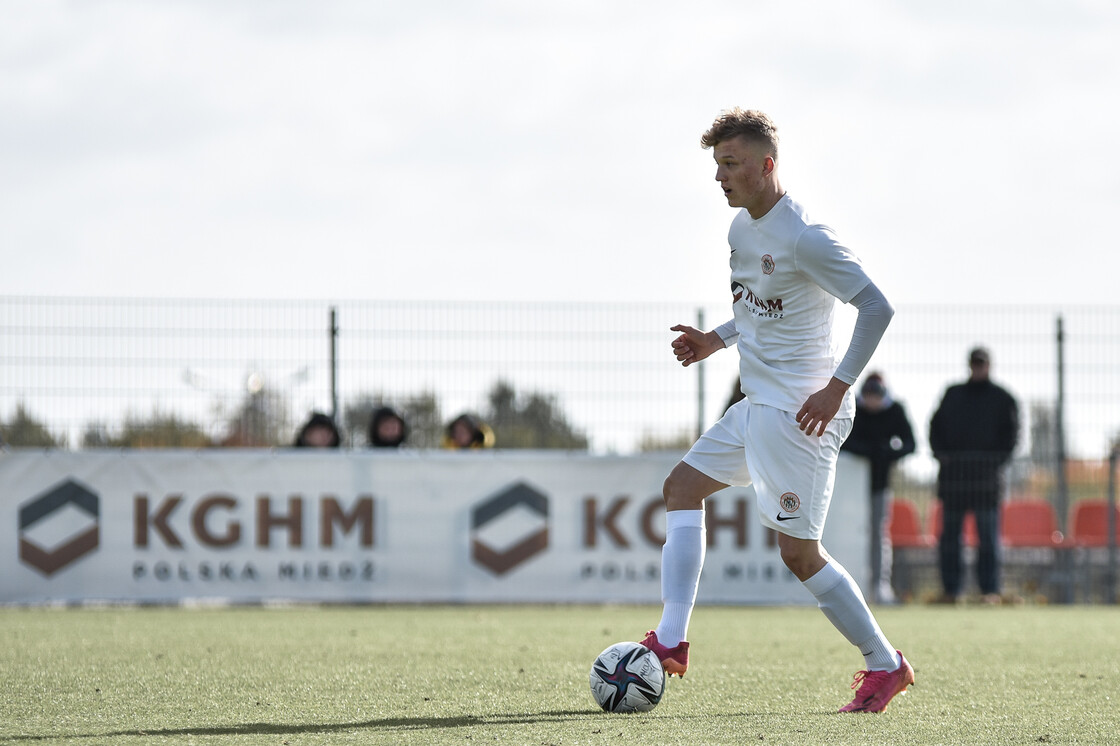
(973,434)
(881,432)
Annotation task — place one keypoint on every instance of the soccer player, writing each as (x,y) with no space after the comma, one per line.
(787,274)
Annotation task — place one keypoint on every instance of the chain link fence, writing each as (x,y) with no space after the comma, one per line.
(87,372)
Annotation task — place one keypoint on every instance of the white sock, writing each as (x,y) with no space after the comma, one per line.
(842,602)
(682,559)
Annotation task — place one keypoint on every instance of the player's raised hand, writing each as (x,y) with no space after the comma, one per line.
(819,409)
(693,345)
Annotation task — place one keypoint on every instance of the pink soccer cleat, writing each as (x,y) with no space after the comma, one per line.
(673,660)
(877,688)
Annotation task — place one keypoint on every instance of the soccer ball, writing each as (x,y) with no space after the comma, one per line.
(627,677)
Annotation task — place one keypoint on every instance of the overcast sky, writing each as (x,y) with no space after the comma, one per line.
(968,150)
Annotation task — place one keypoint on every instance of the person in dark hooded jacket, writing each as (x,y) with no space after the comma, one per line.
(881,433)
(319,432)
(387,429)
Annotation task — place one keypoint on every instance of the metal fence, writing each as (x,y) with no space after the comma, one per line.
(85,366)
(88,370)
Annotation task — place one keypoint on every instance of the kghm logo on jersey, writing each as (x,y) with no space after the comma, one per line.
(771,308)
(767,265)
(790,502)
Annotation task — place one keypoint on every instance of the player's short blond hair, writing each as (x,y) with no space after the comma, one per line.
(749,123)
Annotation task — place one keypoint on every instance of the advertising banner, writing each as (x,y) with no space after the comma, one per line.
(352,526)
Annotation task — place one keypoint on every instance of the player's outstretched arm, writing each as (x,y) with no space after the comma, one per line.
(693,345)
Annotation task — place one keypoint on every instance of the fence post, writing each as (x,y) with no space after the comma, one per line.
(700,404)
(1064,569)
(333,331)
(1062,497)
(1110,577)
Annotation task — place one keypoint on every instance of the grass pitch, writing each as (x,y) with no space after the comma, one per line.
(518,675)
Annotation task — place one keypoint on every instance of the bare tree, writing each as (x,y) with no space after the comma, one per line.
(530,421)
(23,430)
(159,430)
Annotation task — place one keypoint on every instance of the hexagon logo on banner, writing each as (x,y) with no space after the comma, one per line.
(59,527)
(509,528)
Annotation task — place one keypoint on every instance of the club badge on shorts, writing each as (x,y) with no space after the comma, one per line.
(790,502)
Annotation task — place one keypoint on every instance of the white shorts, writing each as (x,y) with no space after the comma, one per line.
(793,473)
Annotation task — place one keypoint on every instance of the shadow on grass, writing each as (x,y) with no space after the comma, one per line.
(402,724)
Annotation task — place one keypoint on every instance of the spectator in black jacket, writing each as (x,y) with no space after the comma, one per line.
(973,434)
(881,432)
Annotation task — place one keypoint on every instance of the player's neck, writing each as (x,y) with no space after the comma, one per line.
(766,200)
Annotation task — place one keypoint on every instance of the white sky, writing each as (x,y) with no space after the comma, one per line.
(549,150)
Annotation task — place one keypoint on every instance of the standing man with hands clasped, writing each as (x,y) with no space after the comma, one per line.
(787,274)
(973,434)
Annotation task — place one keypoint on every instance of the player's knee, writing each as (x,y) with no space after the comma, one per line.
(796,563)
(669,489)
(679,495)
(803,560)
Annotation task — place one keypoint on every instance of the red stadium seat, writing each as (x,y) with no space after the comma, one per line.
(1029,523)
(1089,523)
(968,531)
(906,526)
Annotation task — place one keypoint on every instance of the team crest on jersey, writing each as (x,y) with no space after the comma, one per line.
(767,265)
(790,502)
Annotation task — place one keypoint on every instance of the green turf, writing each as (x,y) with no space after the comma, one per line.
(518,675)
